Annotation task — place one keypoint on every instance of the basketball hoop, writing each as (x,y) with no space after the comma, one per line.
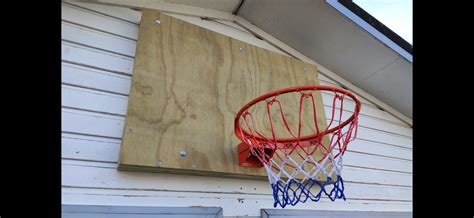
(299,167)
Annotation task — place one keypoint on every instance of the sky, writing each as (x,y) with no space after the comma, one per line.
(395,14)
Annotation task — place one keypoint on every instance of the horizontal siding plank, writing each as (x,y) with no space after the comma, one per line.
(80,76)
(327,81)
(99,22)
(127,14)
(369,176)
(91,123)
(365,109)
(362,100)
(99,59)
(367,121)
(100,177)
(81,98)
(91,148)
(232,204)
(377,162)
(330,96)
(97,39)
(368,147)
(383,137)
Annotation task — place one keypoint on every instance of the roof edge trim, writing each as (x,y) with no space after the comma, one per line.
(382,33)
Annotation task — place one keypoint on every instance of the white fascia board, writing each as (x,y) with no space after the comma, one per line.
(366,26)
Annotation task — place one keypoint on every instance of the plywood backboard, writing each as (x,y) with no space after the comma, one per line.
(188,84)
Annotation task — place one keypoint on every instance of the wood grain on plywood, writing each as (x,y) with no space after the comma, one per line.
(188,84)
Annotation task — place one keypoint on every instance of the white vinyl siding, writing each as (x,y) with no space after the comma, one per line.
(98,48)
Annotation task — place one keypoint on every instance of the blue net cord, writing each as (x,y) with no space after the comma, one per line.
(295,191)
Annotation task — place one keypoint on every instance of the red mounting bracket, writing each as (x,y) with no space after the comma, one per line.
(247,159)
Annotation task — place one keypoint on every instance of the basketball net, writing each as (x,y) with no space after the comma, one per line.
(302,168)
